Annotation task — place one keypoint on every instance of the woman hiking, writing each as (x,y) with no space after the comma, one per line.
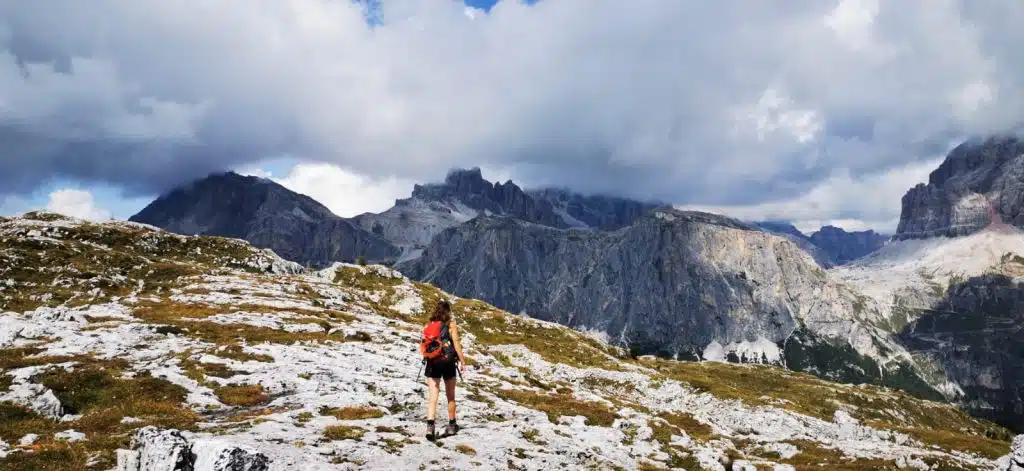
(441,339)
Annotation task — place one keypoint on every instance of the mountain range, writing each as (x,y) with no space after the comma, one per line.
(857,307)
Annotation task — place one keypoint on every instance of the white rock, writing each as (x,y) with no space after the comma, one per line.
(1017,454)
(848,426)
(128,460)
(221,455)
(57,314)
(785,450)
(70,435)
(743,465)
(36,397)
(28,439)
(155,450)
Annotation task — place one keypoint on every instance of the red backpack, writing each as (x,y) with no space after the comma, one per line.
(436,346)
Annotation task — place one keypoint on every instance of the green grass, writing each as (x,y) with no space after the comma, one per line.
(99,391)
(352,412)
(555,344)
(344,432)
(757,385)
(557,405)
(370,281)
(814,456)
(110,258)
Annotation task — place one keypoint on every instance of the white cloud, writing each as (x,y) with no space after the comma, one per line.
(588,93)
(853,203)
(344,193)
(853,21)
(348,194)
(76,203)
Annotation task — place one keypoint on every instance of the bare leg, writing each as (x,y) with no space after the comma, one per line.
(433,391)
(449,391)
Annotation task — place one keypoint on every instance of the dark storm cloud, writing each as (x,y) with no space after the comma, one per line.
(714,103)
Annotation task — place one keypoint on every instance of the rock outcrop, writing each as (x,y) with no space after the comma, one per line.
(156,449)
(980,184)
(787,230)
(267,215)
(412,222)
(469,187)
(596,211)
(975,336)
(1016,457)
(678,284)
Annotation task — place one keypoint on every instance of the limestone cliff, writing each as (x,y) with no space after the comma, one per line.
(787,230)
(981,183)
(596,211)
(974,336)
(681,284)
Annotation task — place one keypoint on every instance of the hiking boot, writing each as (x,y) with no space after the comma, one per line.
(430,431)
(452,429)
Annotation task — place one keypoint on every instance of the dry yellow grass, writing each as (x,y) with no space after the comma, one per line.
(352,412)
(242,395)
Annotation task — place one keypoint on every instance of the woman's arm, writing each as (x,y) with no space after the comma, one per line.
(458,342)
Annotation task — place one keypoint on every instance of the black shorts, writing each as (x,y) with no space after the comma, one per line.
(446,371)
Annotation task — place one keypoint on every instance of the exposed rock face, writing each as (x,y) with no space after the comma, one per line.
(596,211)
(979,184)
(1017,454)
(470,188)
(674,283)
(267,215)
(830,245)
(845,246)
(787,230)
(465,194)
(154,449)
(975,335)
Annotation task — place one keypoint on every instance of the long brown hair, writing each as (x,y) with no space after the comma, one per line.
(442,312)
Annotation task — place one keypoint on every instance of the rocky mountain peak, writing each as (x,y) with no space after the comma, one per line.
(972,162)
(468,179)
(844,246)
(979,184)
(266,214)
(468,188)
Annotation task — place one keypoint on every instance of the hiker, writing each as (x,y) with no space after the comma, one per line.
(442,354)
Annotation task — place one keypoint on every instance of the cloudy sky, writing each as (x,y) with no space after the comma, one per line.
(816,111)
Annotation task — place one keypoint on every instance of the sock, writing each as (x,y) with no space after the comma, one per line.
(451,421)
(430,421)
